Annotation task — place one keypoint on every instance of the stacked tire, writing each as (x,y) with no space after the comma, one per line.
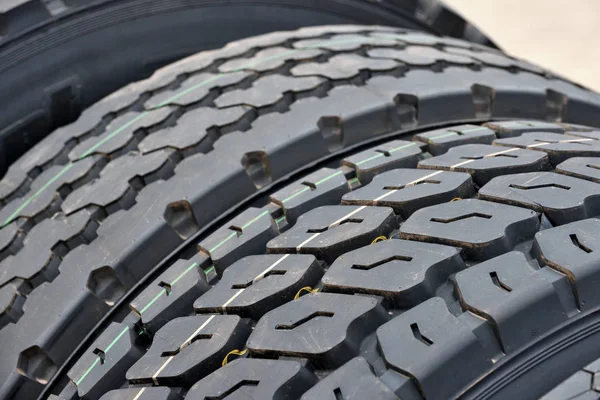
(334,212)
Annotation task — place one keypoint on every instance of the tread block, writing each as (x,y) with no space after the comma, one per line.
(330,231)
(343,66)
(194,89)
(254,379)
(587,168)
(430,344)
(52,148)
(44,247)
(246,234)
(148,234)
(391,155)
(577,387)
(482,229)
(422,39)
(324,327)
(189,348)
(11,304)
(485,162)
(420,55)
(558,147)
(191,129)
(106,361)
(344,42)
(171,293)
(352,381)
(408,190)
(562,198)
(401,271)
(508,129)
(269,59)
(255,285)
(574,250)
(519,303)
(53,185)
(128,126)
(496,59)
(143,393)
(11,240)
(440,141)
(120,180)
(268,90)
(593,367)
(325,186)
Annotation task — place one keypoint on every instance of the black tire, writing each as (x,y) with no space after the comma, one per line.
(59,57)
(93,214)
(583,384)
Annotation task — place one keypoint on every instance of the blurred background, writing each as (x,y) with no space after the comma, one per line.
(560,35)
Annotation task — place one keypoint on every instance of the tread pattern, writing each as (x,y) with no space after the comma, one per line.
(561,198)
(469,294)
(160,302)
(253,298)
(33,30)
(169,363)
(374,271)
(578,243)
(482,229)
(586,168)
(353,381)
(582,385)
(503,284)
(485,162)
(411,341)
(185,189)
(337,229)
(558,147)
(259,379)
(336,324)
(407,190)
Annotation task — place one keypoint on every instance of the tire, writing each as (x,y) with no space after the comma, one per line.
(582,384)
(59,57)
(176,171)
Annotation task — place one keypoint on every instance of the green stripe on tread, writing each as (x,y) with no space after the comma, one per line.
(176,96)
(143,310)
(389,151)
(233,233)
(298,193)
(255,219)
(306,188)
(211,269)
(221,242)
(172,284)
(184,272)
(105,351)
(118,130)
(328,178)
(444,135)
(479,128)
(36,194)
(112,134)
(96,361)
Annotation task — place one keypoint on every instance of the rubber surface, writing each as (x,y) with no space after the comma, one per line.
(412,288)
(97,204)
(582,385)
(57,57)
